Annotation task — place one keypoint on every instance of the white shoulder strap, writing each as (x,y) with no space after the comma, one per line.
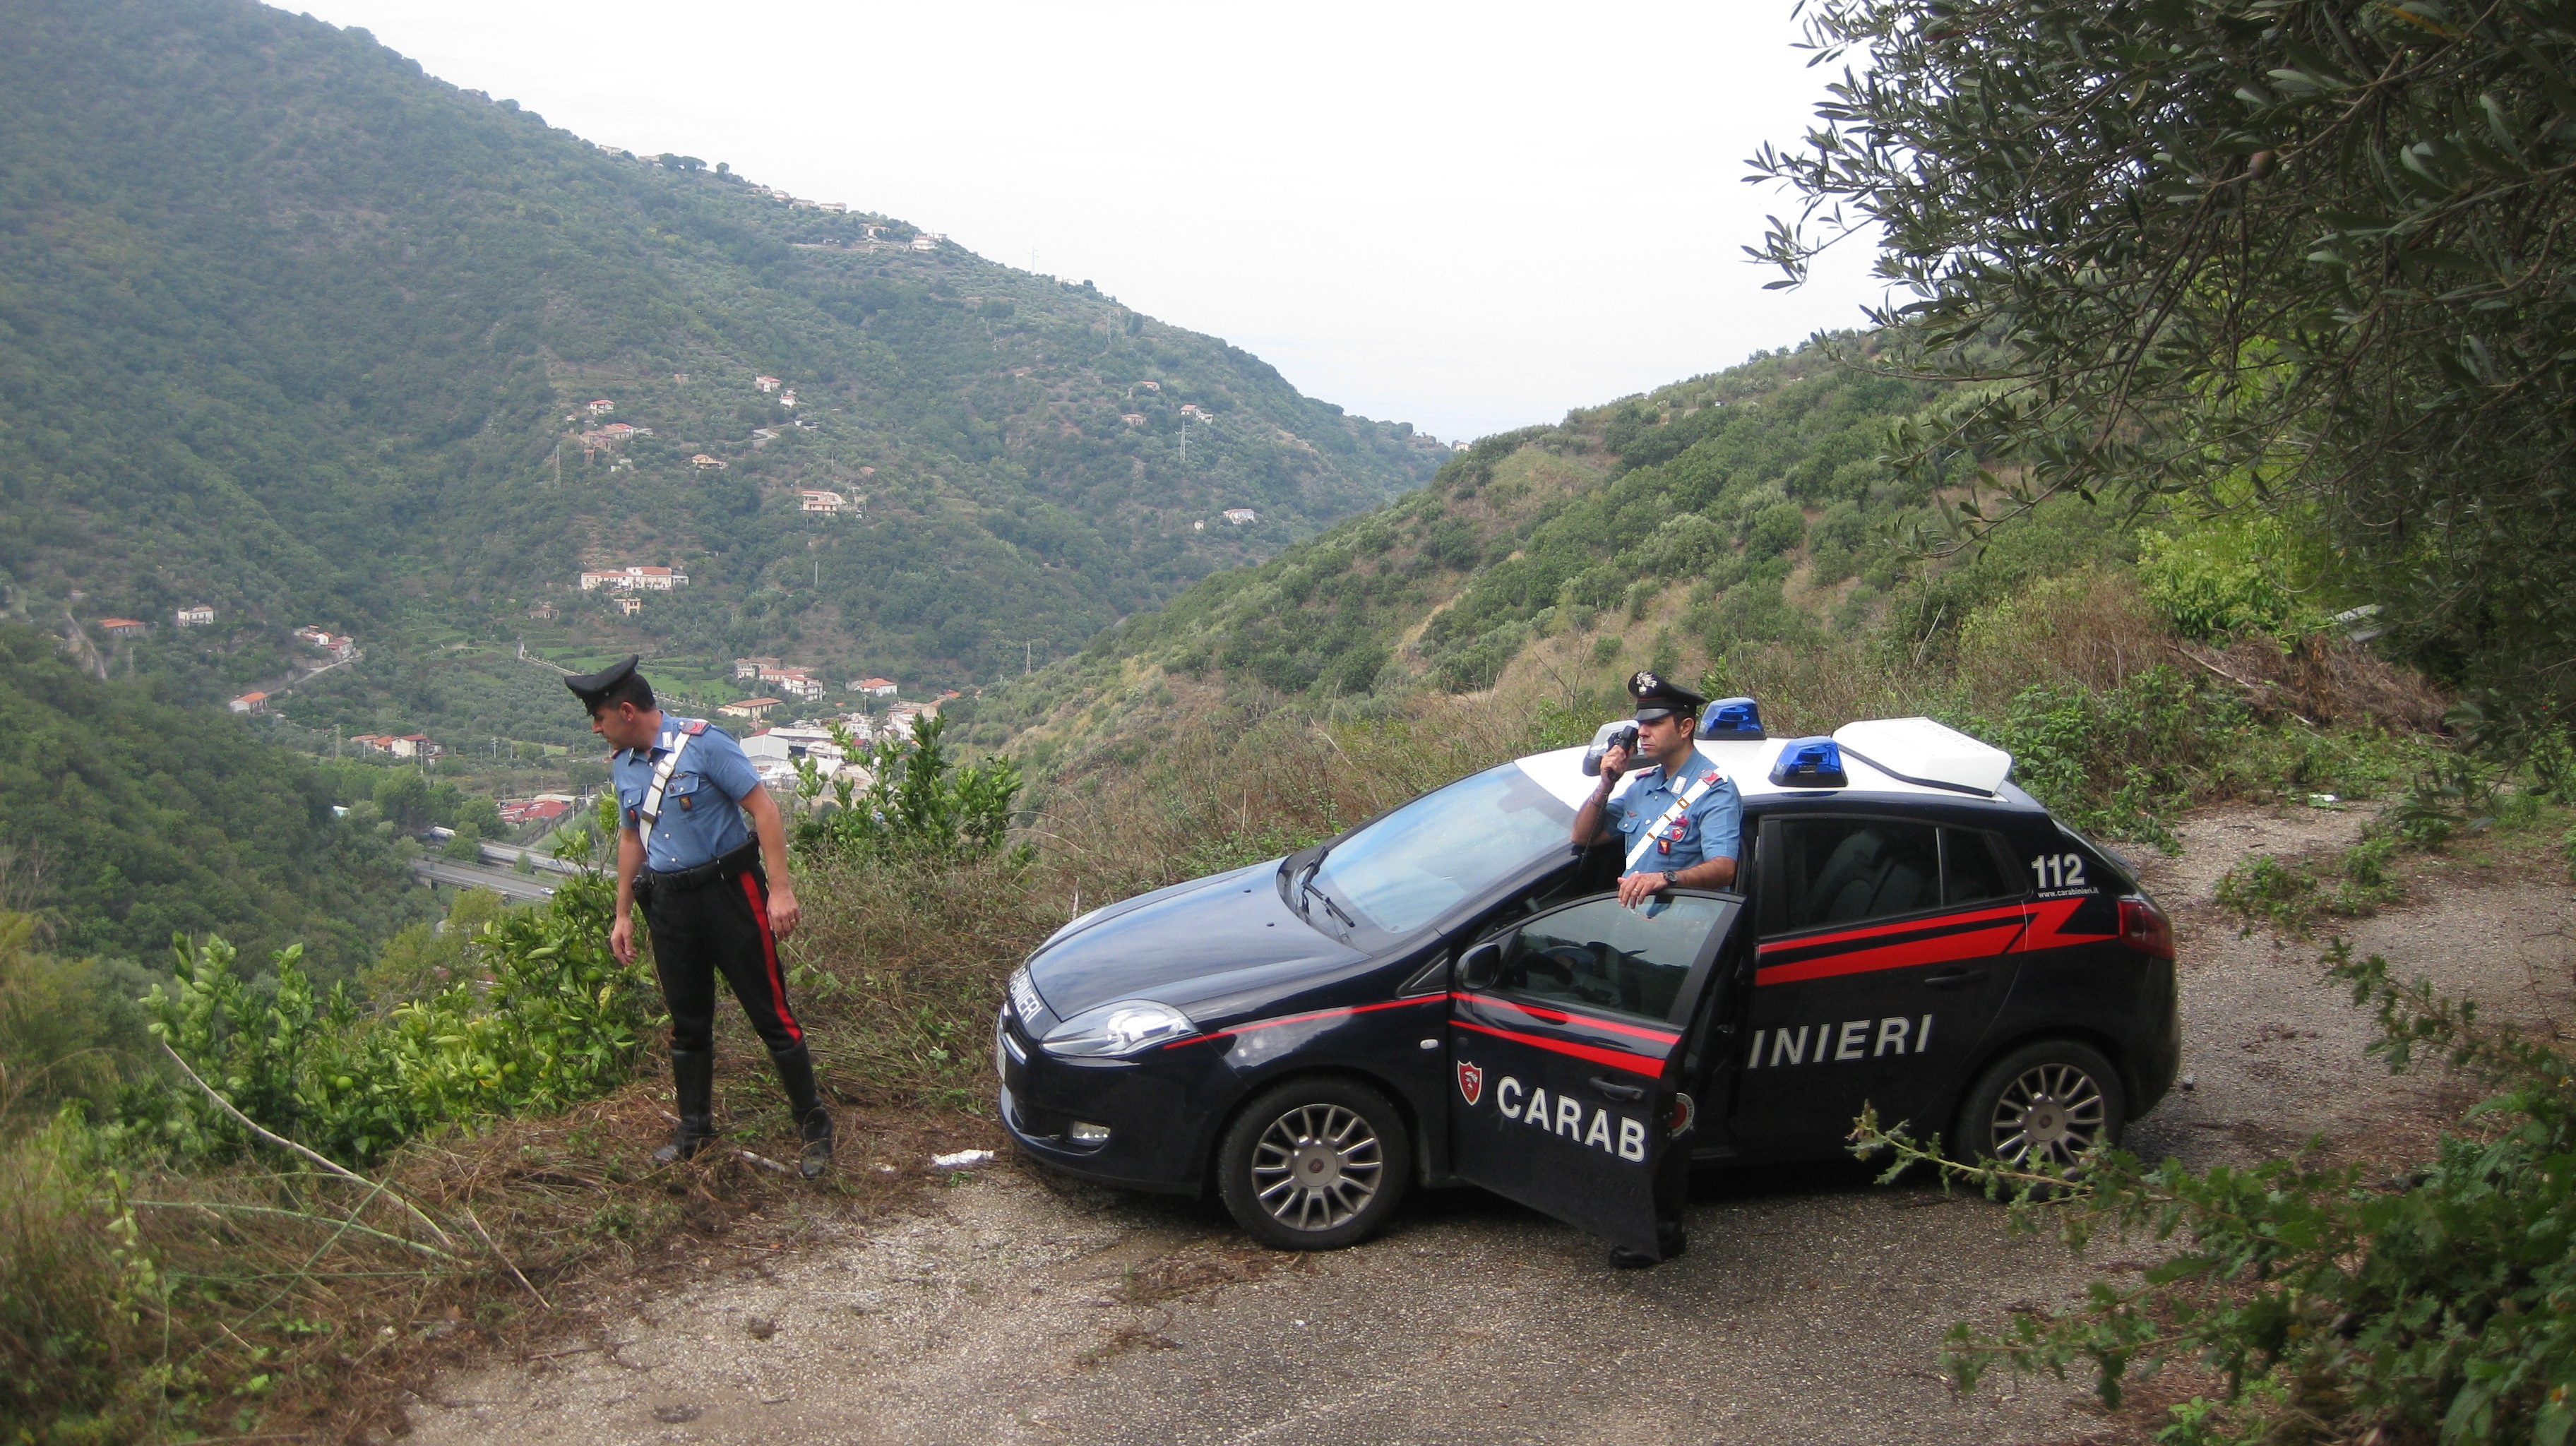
(651,812)
(1681,805)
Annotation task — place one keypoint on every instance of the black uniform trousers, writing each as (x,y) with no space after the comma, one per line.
(719,927)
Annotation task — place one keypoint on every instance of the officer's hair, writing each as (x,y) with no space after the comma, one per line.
(630,689)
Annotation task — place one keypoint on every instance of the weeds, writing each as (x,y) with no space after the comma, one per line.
(2292,897)
(2329,1304)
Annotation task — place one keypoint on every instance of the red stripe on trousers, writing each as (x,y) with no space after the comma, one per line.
(752,891)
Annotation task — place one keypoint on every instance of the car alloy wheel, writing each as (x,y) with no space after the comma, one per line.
(1315,1163)
(1317,1167)
(2042,1106)
(2048,1115)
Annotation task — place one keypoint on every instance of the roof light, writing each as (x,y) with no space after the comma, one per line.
(1920,751)
(1810,763)
(1737,720)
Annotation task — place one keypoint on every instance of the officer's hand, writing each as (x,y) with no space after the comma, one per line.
(783,912)
(621,939)
(1636,889)
(1615,762)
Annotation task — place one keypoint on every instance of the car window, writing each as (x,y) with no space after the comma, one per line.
(1598,955)
(1843,870)
(1409,867)
(1969,872)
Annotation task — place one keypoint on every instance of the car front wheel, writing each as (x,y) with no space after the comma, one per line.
(2042,1105)
(1315,1164)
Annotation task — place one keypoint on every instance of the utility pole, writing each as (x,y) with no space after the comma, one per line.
(1028,655)
(558,461)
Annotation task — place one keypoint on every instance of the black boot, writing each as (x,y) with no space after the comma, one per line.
(693,1079)
(813,1121)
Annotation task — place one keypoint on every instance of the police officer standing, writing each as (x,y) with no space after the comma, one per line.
(1679,823)
(716,897)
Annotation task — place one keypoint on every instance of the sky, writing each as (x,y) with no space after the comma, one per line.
(1467,217)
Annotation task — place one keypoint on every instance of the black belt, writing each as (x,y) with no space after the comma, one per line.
(732,866)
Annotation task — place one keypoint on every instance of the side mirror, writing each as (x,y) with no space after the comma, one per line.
(1478,966)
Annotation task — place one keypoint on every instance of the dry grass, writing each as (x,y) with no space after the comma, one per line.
(899,972)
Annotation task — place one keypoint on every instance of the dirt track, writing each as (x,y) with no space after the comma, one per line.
(1809,1309)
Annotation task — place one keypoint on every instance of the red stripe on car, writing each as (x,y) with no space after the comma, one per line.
(1615,1058)
(2010,912)
(1939,949)
(1559,1016)
(1347,1009)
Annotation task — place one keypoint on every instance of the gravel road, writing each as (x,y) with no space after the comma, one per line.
(1013,1308)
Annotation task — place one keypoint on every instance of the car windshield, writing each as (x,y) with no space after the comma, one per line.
(1404,870)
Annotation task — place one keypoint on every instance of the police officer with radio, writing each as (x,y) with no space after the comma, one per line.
(715,893)
(1680,823)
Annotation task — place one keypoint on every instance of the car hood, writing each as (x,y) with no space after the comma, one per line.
(1196,946)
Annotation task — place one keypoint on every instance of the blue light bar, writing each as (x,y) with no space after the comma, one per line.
(1810,763)
(1732,720)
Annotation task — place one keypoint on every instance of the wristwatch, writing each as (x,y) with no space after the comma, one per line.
(1667,883)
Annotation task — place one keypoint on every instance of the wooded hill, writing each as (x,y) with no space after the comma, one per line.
(126,818)
(1756,491)
(1741,531)
(291,329)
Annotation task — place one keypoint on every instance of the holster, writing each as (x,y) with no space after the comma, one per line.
(743,860)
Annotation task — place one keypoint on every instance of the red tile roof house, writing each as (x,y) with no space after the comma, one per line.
(249,703)
(123,627)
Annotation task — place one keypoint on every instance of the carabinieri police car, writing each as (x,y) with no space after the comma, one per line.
(1452,994)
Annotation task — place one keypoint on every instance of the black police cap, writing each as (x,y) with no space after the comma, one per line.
(1659,697)
(591,687)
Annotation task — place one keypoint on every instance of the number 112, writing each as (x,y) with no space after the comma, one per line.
(2059,871)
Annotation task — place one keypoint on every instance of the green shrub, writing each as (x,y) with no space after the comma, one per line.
(557,1021)
(64,1035)
(2326,1302)
(2221,579)
(2117,761)
(76,1354)
(1778,528)
(919,805)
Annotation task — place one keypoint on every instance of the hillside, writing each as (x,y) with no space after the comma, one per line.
(126,818)
(293,330)
(1739,530)
(1738,508)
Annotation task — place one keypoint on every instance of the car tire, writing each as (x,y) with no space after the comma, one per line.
(1315,1164)
(2044,1103)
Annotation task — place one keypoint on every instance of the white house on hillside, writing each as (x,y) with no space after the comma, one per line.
(634,579)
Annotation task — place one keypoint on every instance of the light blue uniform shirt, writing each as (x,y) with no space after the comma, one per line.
(701,809)
(1710,829)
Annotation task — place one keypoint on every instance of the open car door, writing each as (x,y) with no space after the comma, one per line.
(1567,1036)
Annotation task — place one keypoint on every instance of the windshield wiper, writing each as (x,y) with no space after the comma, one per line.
(1308,889)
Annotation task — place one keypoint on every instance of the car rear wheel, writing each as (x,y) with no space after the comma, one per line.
(2042,1105)
(1315,1164)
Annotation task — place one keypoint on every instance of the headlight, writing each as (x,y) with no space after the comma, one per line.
(1118,1029)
